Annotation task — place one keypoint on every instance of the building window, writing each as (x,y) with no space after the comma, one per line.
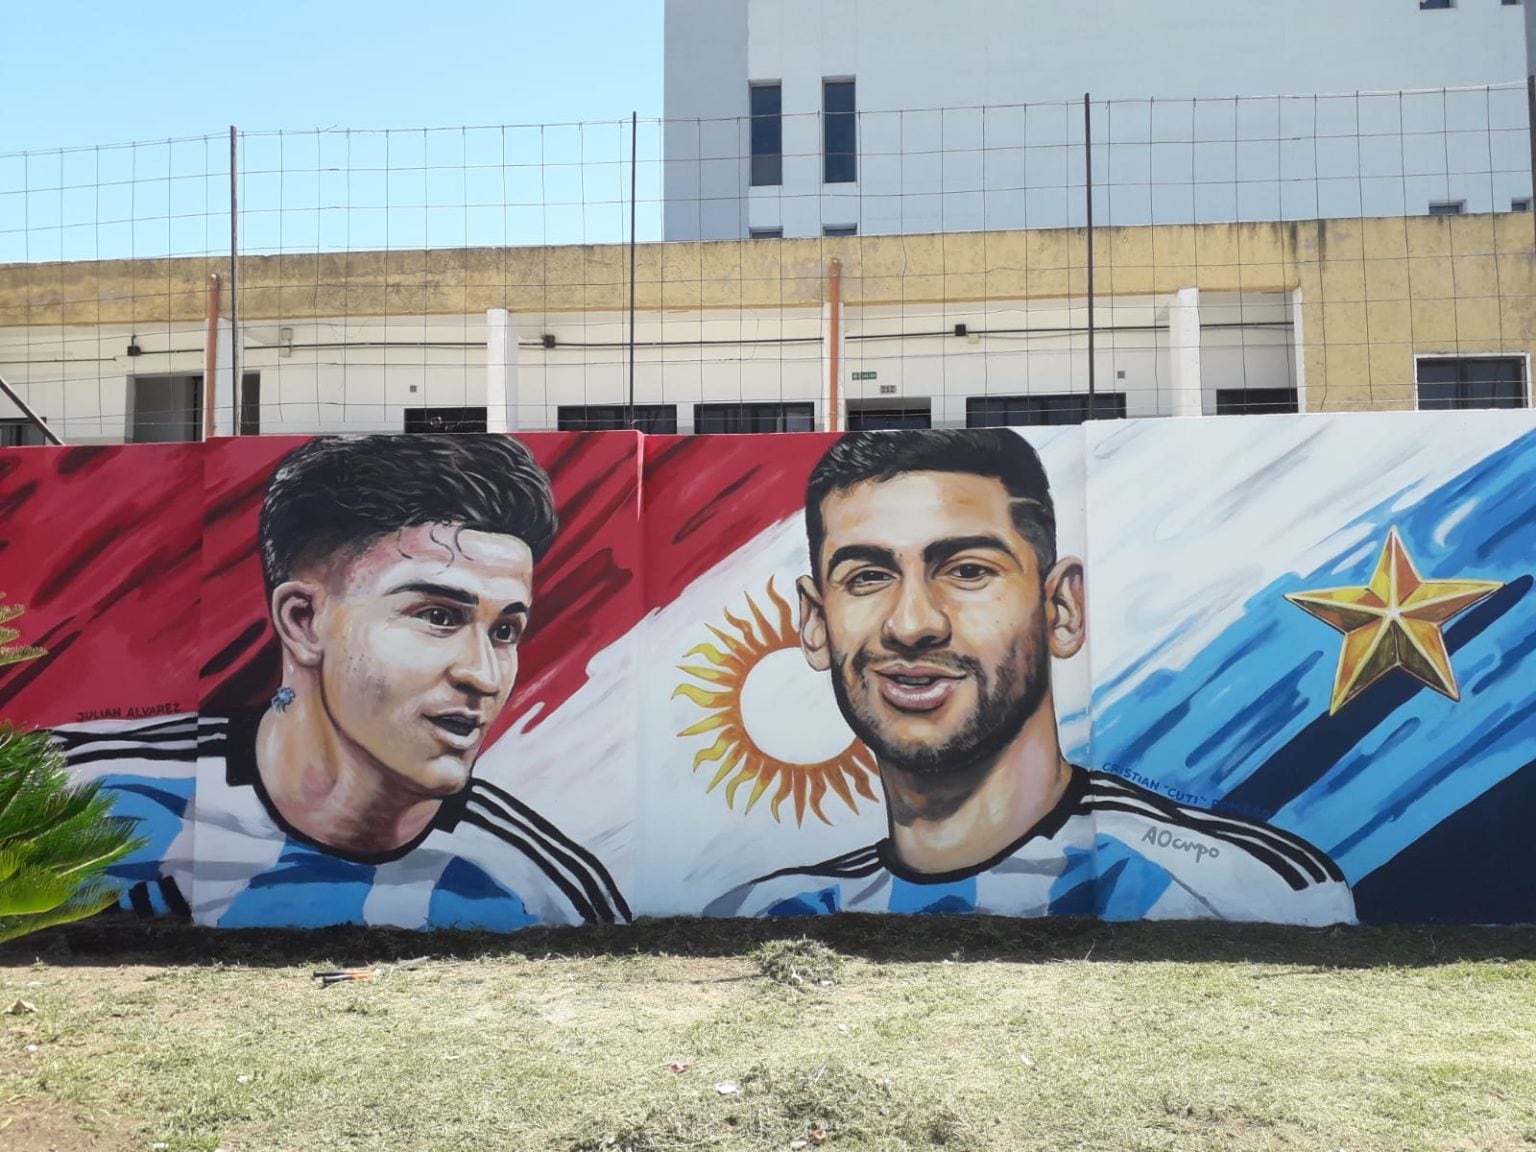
(840,230)
(165,409)
(445,419)
(657,419)
(20,433)
(1520,204)
(876,418)
(715,418)
(1255,401)
(767,134)
(766,233)
(1060,408)
(1428,5)
(839,132)
(1447,207)
(1472,382)
(250,404)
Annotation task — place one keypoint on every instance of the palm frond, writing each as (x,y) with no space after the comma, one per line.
(57,838)
(87,901)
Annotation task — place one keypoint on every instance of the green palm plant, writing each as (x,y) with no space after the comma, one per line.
(57,839)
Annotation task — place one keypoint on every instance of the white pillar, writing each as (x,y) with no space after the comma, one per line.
(1298,352)
(500,372)
(1184,352)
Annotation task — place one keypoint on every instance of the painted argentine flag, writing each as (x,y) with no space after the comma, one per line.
(1214,687)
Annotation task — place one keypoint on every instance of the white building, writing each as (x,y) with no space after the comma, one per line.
(798,117)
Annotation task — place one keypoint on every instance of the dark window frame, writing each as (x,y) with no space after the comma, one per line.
(19,432)
(652,419)
(250,404)
(1257,401)
(188,419)
(839,131)
(792,415)
(459,421)
(1460,383)
(1044,408)
(889,417)
(765,103)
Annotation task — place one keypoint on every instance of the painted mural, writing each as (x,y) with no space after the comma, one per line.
(1276,669)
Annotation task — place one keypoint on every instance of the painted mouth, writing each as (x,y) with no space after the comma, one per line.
(462,729)
(917,688)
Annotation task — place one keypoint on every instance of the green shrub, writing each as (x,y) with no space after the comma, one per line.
(57,839)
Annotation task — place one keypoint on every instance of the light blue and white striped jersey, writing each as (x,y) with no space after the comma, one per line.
(1108,849)
(487,860)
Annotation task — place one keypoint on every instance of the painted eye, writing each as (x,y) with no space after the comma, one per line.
(438,616)
(970,573)
(507,633)
(867,579)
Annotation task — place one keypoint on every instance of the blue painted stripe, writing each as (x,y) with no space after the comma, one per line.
(1246,724)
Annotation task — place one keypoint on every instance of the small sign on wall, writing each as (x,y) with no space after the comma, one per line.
(865,375)
(887,389)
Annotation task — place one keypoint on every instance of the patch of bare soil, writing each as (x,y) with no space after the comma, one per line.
(38,1124)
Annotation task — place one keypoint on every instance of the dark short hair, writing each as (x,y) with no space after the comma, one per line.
(994,452)
(338,495)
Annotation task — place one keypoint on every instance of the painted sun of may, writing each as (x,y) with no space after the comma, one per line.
(752,681)
(1394,622)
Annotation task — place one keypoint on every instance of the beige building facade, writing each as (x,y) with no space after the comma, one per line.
(872,331)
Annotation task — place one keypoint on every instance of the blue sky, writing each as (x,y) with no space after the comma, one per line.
(155,69)
(313,87)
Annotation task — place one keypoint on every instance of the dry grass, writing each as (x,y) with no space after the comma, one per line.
(856,1033)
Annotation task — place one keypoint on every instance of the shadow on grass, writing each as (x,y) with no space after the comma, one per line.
(118,938)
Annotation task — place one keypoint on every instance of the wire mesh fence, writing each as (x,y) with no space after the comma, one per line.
(1249,254)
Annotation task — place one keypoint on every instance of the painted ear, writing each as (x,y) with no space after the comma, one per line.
(813,625)
(294,604)
(1067,614)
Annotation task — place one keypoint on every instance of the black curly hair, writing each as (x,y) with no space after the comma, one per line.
(341,494)
(993,452)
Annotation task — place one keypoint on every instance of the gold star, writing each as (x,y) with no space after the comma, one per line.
(1393,622)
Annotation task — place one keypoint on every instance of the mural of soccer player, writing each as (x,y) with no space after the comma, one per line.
(937,602)
(399,580)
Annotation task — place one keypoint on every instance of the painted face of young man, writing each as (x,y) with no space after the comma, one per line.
(935,619)
(417,640)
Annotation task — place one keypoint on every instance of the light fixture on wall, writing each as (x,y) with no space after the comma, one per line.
(548,339)
(133,346)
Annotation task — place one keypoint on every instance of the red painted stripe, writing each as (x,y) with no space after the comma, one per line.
(139,568)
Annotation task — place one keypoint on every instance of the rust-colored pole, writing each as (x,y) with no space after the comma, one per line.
(835,298)
(211,357)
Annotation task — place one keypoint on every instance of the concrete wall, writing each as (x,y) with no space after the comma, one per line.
(947,144)
(1336,308)
(627,708)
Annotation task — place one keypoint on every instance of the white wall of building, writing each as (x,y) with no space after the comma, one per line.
(947,144)
(362,375)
